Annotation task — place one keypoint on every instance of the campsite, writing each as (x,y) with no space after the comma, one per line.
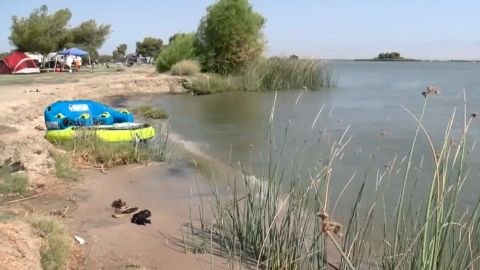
(238,134)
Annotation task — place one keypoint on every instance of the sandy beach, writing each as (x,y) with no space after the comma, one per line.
(112,243)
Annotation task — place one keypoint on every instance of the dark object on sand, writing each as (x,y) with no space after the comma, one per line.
(121,208)
(141,218)
(13,166)
(118,204)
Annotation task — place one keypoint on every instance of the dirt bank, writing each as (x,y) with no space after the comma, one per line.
(21,110)
(19,248)
(111,242)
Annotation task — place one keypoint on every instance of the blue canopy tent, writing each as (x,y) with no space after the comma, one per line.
(76,52)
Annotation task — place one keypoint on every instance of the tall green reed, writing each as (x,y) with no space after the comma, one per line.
(266,75)
(87,148)
(271,221)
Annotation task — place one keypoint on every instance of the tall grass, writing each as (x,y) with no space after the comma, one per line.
(273,222)
(63,166)
(210,83)
(57,243)
(93,151)
(268,74)
(286,73)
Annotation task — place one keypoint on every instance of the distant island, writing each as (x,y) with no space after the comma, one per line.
(388,56)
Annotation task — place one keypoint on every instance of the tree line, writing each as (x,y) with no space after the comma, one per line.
(228,37)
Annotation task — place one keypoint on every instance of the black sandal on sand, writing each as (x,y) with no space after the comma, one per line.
(141,218)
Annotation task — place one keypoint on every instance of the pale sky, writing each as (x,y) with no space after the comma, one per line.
(428,29)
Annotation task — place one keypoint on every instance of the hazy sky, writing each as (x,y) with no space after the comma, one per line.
(428,29)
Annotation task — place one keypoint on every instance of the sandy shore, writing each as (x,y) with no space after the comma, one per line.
(21,110)
(166,190)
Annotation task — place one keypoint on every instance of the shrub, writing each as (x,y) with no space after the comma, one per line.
(186,67)
(57,243)
(182,47)
(12,182)
(230,36)
(150,112)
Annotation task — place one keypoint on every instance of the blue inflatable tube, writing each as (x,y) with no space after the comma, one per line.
(63,114)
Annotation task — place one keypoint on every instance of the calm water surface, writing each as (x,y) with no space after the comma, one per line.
(368,100)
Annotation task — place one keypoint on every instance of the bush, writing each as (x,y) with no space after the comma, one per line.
(186,67)
(12,182)
(150,112)
(230,36)
(57,243)
(182,47)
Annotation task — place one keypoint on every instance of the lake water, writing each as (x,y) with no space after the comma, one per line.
(368,99)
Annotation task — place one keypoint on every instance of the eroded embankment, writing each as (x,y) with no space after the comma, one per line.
(21,113)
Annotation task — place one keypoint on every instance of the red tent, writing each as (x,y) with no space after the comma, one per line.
(18,63)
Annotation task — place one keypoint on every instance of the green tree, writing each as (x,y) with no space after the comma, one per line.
(41,32)
(149,47)
(230,36)
(89,36)
(172,38)
(120,52)
(395,55)
(182,47)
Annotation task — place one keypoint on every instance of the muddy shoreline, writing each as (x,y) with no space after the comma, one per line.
(167,190)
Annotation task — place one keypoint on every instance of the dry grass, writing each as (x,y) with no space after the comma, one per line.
(185,68)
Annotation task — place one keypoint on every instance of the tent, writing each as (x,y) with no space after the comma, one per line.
(73,51)
(76,52)
(18,63)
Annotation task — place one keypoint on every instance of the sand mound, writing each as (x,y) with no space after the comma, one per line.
(20,248)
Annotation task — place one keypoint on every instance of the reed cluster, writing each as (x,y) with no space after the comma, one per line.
(266,75)
(90,150)
(272,222)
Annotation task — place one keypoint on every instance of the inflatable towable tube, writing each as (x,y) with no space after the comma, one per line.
(67,119)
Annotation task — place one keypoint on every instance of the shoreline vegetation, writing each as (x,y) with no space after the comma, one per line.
(267,223)
(274,223)
(266,75)
(216,60)
(389,56)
